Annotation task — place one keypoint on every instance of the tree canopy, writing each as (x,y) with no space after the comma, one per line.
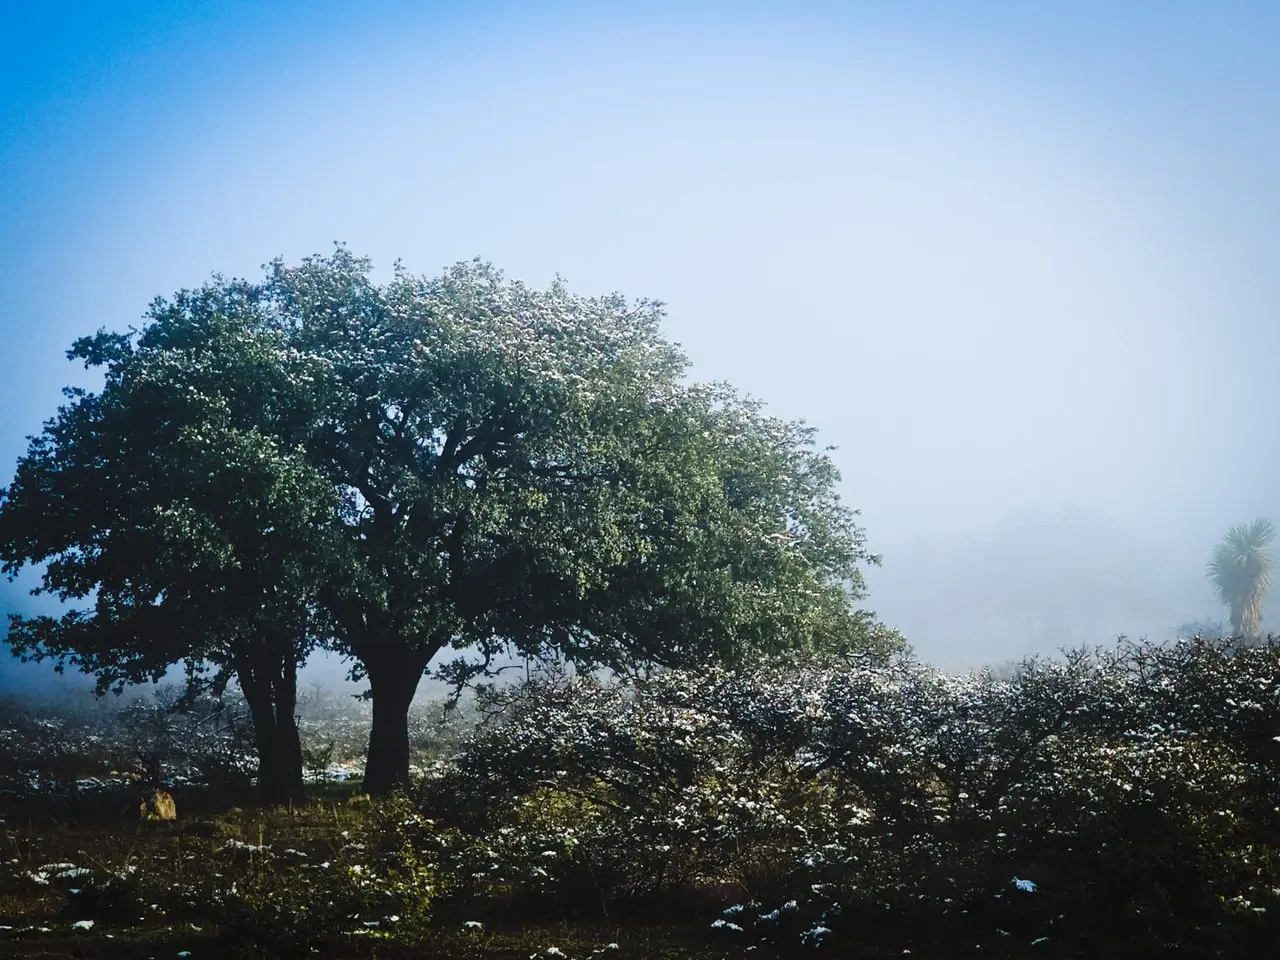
(170,498)
(461,461)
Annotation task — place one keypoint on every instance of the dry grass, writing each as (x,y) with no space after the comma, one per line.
(176,855)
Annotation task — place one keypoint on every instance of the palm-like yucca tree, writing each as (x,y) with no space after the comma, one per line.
(1241,570)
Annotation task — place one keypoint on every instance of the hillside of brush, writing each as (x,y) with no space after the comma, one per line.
(1117,801)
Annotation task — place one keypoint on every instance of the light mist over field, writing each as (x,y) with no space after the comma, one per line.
(1016,263)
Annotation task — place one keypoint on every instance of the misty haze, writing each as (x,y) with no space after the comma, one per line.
(995,290)
(839,433)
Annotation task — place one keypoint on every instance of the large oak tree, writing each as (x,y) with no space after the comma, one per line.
(171,500)
(528,472)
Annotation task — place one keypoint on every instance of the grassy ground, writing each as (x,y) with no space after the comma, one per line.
(171,872)
(505,945)
(38,921)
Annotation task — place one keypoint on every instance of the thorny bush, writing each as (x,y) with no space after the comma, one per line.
(1116,795)
(1122,796)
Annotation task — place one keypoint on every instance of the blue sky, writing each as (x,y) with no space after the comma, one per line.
(1008,256)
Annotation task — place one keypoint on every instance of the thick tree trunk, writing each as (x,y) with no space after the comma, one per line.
(288,787)
(392,686)
(271,691)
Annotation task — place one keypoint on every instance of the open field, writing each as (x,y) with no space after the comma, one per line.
(51,919)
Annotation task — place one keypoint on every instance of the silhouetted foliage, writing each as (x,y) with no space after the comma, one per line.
(174,500)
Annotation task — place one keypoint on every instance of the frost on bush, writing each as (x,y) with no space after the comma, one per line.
(1134,788)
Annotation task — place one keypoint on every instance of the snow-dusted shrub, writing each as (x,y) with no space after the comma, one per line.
(1127,792)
